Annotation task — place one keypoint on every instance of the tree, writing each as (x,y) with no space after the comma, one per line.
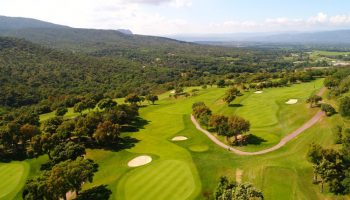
(328,109)
(100,192)
(326,170)
(62,178)
(64,131)
(313,100)
(179,90)
(47,143)
(237,126)
(223,189)
(344,107)
(221,83)
(219,123)
(314,155)
(107,133)
(231,95)
(227,190)
(79,107)
(51,125)
(35,188)
(204,119)
(90,103)
(67,151)
(28,131)
(247,191)
(197,104)
(199,111)
(106,104)
(61,111)
(132,98)
(152,98)
(78,172)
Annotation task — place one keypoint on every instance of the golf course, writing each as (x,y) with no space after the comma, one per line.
(190,166)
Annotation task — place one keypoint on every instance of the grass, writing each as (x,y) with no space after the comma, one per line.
(190,169)
(14,174)
(270,117)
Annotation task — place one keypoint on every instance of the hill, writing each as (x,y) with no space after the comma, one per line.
(86,40)
(261,39)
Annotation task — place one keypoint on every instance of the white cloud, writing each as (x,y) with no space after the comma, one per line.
(174,3)
(131,14)
(319,18)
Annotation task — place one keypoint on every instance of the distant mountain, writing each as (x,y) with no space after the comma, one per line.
(15,23)
(322,37)
(79,39)
(125,31)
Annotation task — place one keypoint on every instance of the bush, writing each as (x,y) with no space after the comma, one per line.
(344,107)
(328,109)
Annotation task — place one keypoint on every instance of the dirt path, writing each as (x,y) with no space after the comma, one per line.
(283,142)
(239,174)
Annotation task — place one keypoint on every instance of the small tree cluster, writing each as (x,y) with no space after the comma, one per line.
(314,100)
(228,190)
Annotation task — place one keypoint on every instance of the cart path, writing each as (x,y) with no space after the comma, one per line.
(283,141)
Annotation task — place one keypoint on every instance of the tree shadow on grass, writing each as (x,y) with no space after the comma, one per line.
(255,140)
(136,125)
(123,143)
(235,105)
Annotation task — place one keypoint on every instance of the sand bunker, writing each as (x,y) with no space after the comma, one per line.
(139,161)
(179,138)
(292,101)
(258,92)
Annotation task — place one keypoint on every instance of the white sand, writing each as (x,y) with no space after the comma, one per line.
(179,138)
(139,161)
(258,92)
(292,101)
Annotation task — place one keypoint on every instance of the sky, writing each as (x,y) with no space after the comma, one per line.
(169,17)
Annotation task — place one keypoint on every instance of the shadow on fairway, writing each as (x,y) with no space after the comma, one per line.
(236,105)
(136,125)
(255,140)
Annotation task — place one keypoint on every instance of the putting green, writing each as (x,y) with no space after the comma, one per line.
(167,179)
(12,176)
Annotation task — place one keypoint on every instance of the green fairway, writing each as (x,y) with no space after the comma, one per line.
(270,117)
(190,169)
(12,176)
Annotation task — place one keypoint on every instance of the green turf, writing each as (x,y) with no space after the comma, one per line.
(190,169)
(167,179)
(270,117)
(14,174)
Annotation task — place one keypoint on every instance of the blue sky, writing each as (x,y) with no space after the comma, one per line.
(166,17)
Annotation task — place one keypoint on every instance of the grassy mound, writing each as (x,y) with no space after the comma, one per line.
(199,148)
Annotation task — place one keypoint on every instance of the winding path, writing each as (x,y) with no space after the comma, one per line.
(283,142)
